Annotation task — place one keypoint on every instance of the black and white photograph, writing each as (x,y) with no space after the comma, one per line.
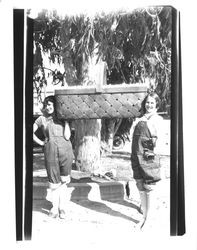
(100,110)
(102,114)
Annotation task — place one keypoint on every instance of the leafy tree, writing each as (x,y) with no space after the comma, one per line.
(135,46)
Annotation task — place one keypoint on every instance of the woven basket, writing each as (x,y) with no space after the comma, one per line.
(109,102)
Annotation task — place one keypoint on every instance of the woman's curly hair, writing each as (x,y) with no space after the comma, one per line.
(47,99)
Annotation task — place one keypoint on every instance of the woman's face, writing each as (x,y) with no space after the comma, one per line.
(150,105)
(49,108)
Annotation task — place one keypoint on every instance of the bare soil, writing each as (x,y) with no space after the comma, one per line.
(114,167)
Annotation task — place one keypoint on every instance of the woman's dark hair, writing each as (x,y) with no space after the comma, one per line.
(47,99)
(52,99)
(153,95)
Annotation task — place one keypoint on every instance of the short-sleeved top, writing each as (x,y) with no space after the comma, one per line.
(50,126)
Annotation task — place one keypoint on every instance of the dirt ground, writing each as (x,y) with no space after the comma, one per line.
(101,216)
(118,163)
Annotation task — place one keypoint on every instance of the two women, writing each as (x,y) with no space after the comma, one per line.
(59,156)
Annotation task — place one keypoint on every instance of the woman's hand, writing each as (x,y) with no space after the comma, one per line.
(35,138)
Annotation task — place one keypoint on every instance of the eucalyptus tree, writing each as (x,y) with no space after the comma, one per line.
(135,47)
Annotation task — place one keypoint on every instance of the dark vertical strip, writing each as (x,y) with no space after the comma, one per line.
(18,117)
(28,130)
(181,191)
(174,129)
(177,211)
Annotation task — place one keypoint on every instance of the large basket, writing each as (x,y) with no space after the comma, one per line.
(119,101)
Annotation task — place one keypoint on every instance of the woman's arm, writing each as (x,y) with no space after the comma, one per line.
(67,132)
(35,138)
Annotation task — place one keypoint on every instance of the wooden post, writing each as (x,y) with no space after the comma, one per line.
(101,78)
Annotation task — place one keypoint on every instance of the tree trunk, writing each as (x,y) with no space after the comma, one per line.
(87,132)
(70,69)
(87,145)
(109,129)
(108,133)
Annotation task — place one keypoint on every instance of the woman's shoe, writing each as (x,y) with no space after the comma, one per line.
(139,226)
(62,214)
(53,215)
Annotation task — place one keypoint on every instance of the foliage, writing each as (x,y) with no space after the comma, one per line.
(136,46)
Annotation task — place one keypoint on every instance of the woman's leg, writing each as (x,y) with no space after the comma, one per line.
(64,196)
(53,173)
(144,191)
(145,205)
(55,197)
(65,160)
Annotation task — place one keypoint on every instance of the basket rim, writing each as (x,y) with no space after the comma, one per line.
(119,88)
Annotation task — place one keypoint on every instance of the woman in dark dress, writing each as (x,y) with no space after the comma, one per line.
(144,159)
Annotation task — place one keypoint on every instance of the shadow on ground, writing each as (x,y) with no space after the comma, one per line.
(43,206)
(103,208)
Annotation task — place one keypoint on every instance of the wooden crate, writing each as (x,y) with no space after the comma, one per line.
(110,101)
